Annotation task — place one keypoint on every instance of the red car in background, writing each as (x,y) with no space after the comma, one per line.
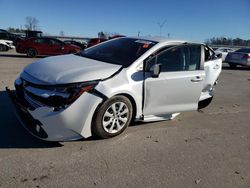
(95,41)
(45,46)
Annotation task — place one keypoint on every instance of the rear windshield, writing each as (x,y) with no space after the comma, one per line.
(121,51)
(244,50)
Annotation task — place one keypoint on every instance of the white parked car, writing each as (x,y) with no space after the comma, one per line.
(223,51)
(102,89)
(5,45)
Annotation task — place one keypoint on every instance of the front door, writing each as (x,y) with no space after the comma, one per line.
(179,85)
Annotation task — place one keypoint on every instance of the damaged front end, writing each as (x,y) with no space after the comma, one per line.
(56,96)
(49,112)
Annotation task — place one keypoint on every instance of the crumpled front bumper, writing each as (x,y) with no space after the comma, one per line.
(25,118)
(45,123)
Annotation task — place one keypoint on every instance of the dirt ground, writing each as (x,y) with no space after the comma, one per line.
(210,148)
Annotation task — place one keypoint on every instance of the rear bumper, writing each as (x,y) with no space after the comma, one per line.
(45,123)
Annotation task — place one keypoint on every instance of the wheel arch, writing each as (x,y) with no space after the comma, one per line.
(128,96)
(132,100)
(31,47)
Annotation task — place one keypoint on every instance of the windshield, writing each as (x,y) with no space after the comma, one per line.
(122,51)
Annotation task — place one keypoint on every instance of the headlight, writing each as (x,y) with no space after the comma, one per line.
(59,95)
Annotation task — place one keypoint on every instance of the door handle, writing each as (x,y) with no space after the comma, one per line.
(216,66)
(197,79)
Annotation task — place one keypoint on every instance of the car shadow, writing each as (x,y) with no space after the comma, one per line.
(12,134)
(19,55)
(226,67)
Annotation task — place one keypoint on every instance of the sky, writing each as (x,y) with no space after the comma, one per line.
(194,20)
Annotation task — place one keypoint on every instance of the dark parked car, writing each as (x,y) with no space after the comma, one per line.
(76,43)
(5,35)
(239,57)
(45,46)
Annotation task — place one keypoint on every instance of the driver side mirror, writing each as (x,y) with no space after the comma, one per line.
(156,69)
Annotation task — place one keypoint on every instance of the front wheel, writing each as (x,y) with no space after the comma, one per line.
(31,52)
(113,117)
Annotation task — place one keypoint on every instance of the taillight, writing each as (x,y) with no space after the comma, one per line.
(246,56)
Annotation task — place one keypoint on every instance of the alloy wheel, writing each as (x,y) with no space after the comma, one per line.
(115,117)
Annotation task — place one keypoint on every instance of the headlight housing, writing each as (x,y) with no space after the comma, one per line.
(59,96)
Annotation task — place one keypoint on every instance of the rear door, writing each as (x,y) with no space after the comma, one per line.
(179,85)
(212,67)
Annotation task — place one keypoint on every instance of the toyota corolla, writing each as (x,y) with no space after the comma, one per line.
(103,88)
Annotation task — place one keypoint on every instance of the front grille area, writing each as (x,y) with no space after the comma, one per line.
(31,124)
(21,106)
(31,101)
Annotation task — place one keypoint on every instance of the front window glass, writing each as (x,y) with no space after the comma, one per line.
(122,51)
(40,41)
(179,58)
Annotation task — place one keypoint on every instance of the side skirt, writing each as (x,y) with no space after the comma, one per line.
(153,118)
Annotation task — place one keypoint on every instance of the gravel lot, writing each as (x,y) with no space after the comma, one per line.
(210,148)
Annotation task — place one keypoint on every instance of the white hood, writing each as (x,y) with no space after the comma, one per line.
(69,69)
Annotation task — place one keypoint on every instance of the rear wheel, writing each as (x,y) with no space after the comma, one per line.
(31,52)
(113,117)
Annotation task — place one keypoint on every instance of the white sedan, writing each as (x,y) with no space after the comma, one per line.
(103,88)
(223,51)
(6,45)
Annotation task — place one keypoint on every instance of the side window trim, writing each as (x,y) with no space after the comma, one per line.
(202,57)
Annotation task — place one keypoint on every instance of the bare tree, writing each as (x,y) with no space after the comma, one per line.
(31,23)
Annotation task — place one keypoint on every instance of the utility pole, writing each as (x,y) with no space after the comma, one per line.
(161,25)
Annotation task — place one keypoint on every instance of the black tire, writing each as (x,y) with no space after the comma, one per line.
(232,65)
(204,103)
(31,52)
(3,48)
(100,117)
